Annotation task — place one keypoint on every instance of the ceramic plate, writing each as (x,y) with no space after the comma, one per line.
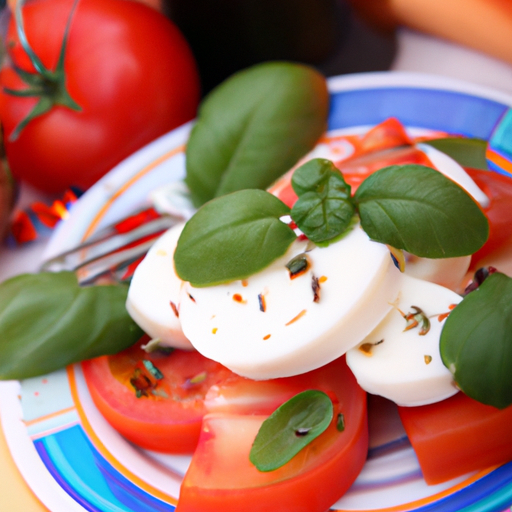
(74,461)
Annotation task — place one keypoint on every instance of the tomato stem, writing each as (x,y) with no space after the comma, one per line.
(47,85)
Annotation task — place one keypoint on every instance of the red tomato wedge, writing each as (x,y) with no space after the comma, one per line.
(157,414)
(498,248)
(457,436)
(221,477)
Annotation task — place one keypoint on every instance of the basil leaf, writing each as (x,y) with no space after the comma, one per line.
(232,237)
(476,342)
(290,428)
(324,207)
(418,209)
(48,321)
(253,127)
(468,152)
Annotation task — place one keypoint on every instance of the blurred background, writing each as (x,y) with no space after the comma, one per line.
(466,39)
(228,35)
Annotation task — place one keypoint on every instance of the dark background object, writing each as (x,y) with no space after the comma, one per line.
(229,35)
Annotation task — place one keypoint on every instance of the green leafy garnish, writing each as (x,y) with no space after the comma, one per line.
(468,152)
(290,428)
(409,207)
(49,87)
(419,210)
(48,321)
(232,237)
(476,342)
(253,127)
(324,209)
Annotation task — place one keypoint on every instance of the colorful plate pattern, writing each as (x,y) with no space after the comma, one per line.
(74,461)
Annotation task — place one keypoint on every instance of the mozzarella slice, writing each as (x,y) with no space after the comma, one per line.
(447,272)
(274,326)
(402,364)
(153,297)
(453,170)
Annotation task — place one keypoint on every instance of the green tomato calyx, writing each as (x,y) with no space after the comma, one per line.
(46,85)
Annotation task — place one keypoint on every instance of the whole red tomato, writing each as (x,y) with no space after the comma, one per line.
(128,72)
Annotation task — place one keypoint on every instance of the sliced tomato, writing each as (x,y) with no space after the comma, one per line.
(390,133)
(162,414)
(158,400)
(356,170)
(457,436)
(498,248)
(384,145)
(221,476)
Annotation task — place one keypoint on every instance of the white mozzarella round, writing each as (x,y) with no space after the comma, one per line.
(447,272)
(403,364)
(153,297)
(271,326)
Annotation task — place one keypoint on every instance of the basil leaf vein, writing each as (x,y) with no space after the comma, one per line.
(324,208)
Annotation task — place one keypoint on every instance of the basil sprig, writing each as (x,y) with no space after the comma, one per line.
(253,127)
(232,237)
(324,208)
(48,321)
(476,342)
(290,428)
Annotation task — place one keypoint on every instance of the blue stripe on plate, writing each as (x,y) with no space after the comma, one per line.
(91,480)
(501,139)
(453,112)
(492,493)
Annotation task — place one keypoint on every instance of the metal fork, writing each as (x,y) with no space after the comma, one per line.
(113,253)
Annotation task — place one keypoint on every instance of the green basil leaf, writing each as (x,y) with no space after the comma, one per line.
(254,127)
(48,321)
(324,207)
(418,209)
(468,152)
(476,342)
(290,428)
(232,237)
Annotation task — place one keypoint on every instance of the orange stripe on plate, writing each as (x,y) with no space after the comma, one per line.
(127,185)
(70,371)
(413,505)
(500,161)
(48,416)
(104,451)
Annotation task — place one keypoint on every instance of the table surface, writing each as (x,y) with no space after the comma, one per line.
(415,52)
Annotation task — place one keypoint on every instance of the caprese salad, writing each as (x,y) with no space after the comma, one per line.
(260,365)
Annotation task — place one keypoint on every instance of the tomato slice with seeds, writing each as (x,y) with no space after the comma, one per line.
(221,476)
(158,400)
(155,400)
